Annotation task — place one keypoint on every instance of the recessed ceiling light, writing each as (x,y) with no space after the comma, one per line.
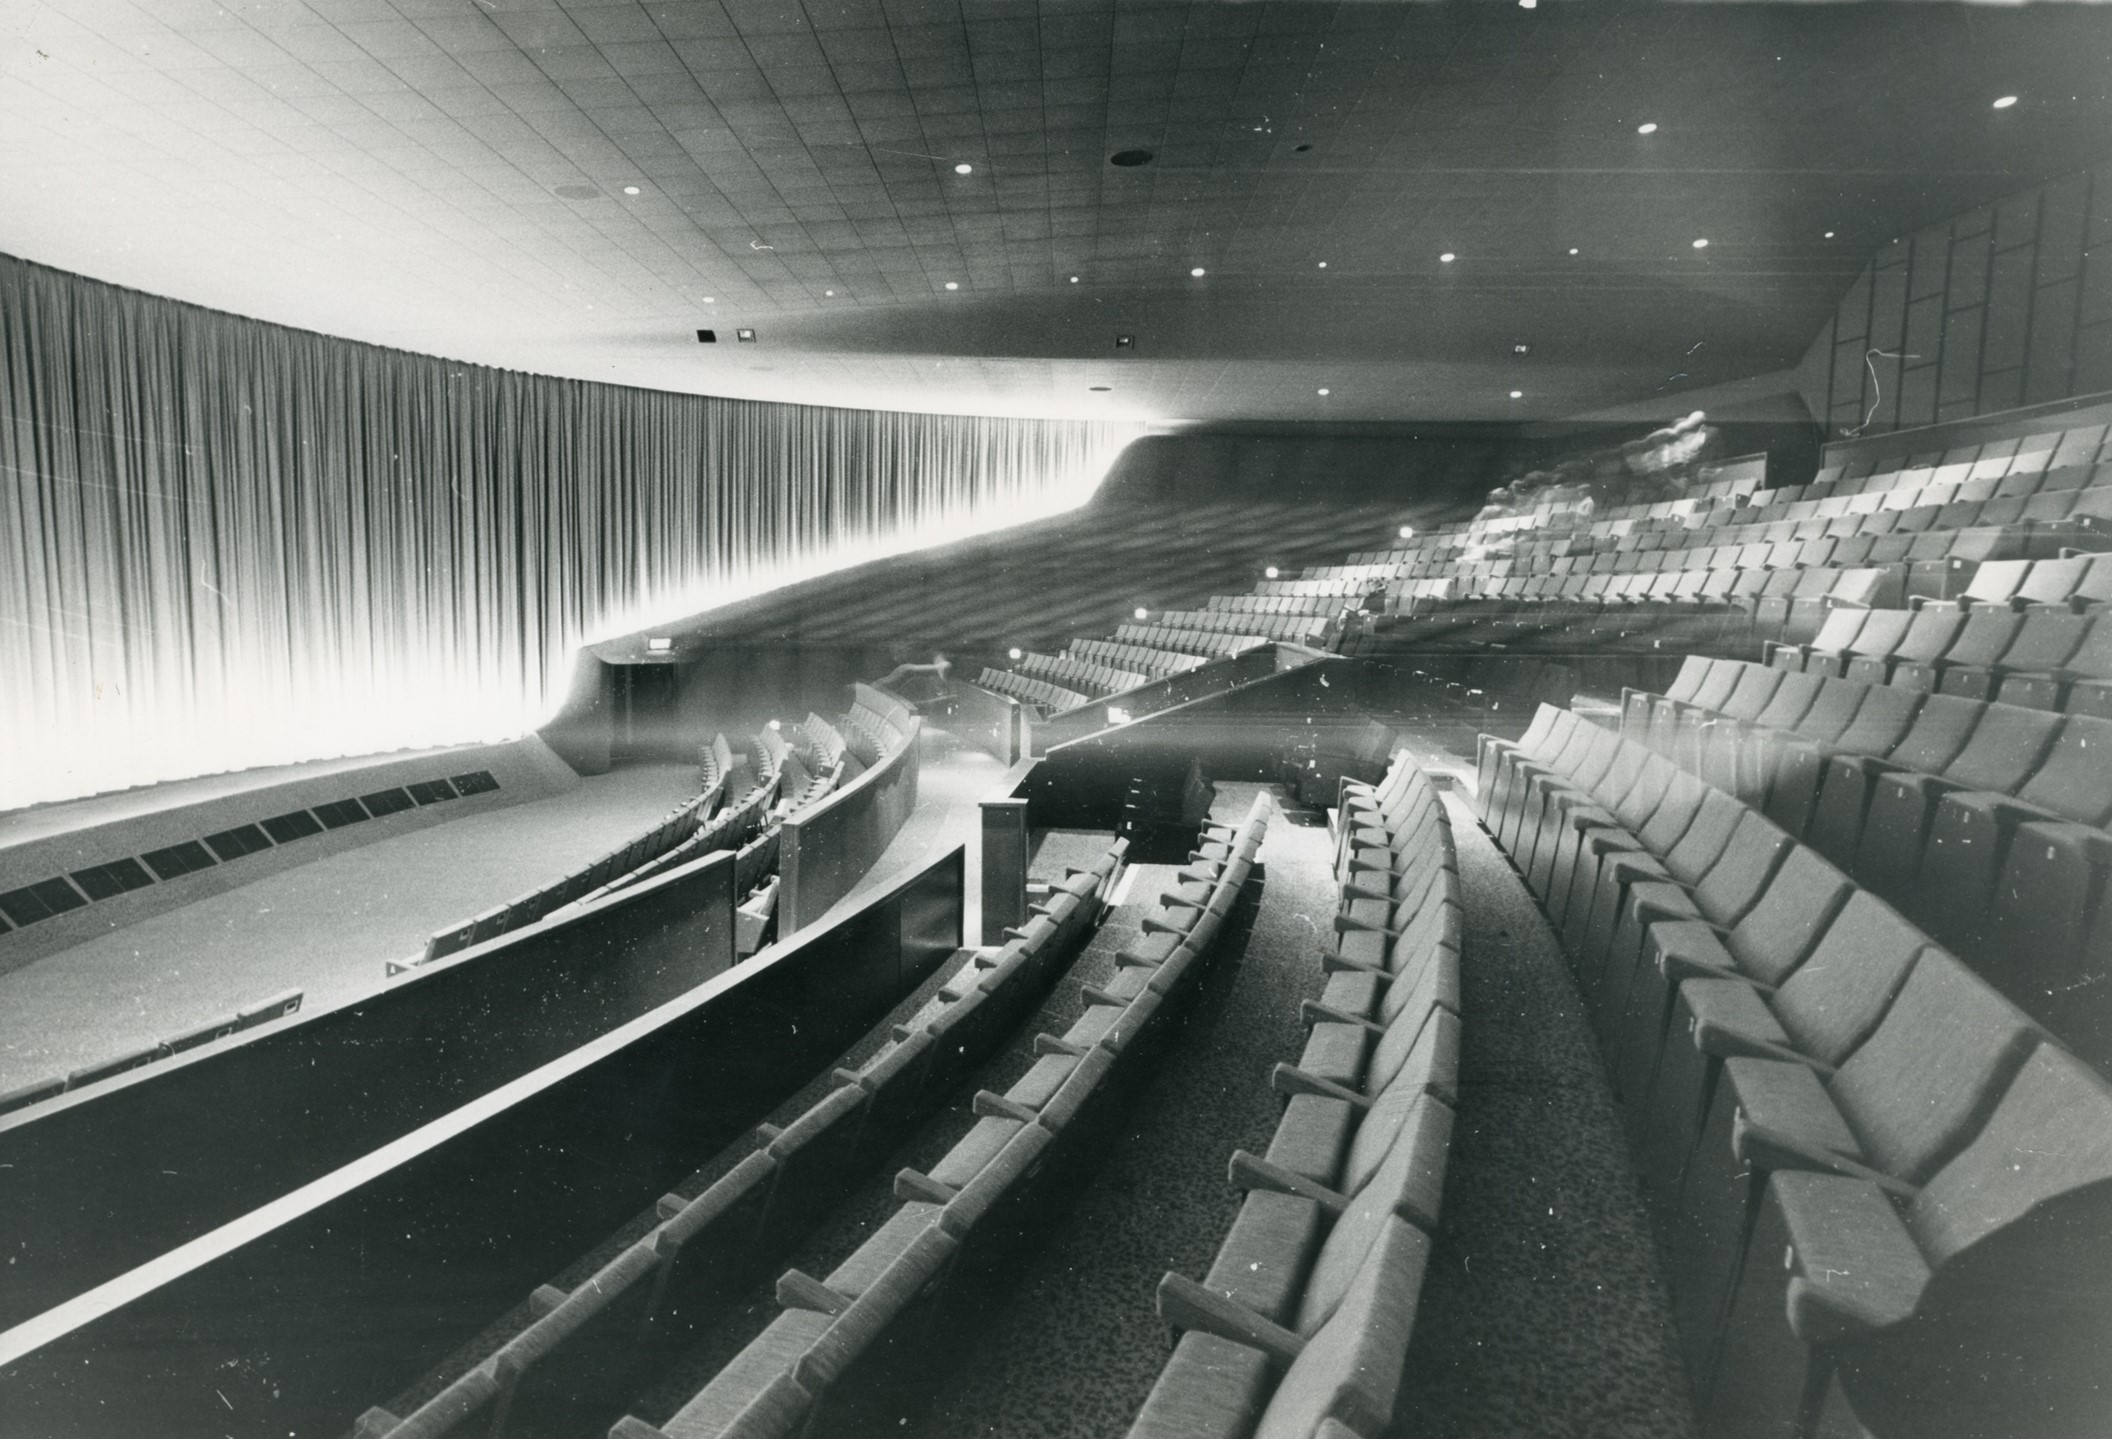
(1648,127)
(1013,652)
(1407,532)
(1141,613)
(1517,394)
(1323,264)
(1129,159)
(1701,244)
(1321,391)
(953,284)
(1521,349)
(1829,234)
(964,168)
(1572,249)
(1528,4)
(1269,573)
(2005,102)
(1447,258)
(631,190)
(1197,272)
(830,293)
(1074,279)
(659,644)
(711,299)
(777,724)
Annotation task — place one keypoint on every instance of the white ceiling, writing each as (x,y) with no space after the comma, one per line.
(396,171)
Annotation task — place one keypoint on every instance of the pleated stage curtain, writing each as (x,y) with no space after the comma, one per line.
(225,543)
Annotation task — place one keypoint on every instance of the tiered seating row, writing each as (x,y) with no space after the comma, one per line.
(1307,1313)
(1086,676)
(588,1352)
(1984,822)
(1156,663)
(1052,698)
(1867,1165)
(1201,642)
(278,1006)
(810,1370)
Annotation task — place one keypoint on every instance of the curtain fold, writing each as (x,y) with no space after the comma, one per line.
(224,543)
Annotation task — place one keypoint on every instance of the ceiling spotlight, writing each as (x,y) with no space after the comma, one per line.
(711,299)
(1829,234)
(1447,258)
(1012,653)
(744,336)
(1197,272)
(658,644)
(631,190)
(1572,249)
(1528,4)
(1074,279)
(1407,532)
(1321,391)
(1517,394)
(830,293)
(2005,102)
(1648,127)
(1701,244)
(1323,264)
(1521,349)
(1141,613)
(777,724)
(1269,573)
(953,285)
(964,168)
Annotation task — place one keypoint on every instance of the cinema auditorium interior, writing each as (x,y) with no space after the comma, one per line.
(1185,719)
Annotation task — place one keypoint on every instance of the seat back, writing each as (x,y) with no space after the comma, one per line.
(1350,1370)
(1831,710)
(1793,911)
(1792,699)
(2076,779)
(1996,582)
(1929,634)
(1941,729)
(1734,883)
(1924,1081)
(1881,721)
(2006,747)
(1755,687)
(1986,634)
(2046,641)
(1830,1005)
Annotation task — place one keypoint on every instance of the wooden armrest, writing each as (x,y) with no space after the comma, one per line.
(910,1186)
(1313,1012)
(1767,1149)
(1288,1079)
(1186,1305)
(1248,1171)
(797,1289)
(996,1106)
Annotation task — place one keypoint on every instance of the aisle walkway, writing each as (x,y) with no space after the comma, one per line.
(1543,1312)
(326,928)
(1077,1343)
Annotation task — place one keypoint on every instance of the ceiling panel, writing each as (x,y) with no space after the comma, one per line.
(575,188)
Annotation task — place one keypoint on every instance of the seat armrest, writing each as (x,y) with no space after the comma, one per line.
(1857,1270)
(1187,1305)
(1769,1149)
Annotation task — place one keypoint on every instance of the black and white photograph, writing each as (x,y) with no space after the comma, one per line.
(1055,719)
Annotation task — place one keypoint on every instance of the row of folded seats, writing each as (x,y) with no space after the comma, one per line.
(1144,659)
(849,1350)
(1089,677)
(587,1352)
(1303,1322)
(264,1011)
(1883,1192)
(1204,643)
(2056,659)
(1984,822)
(1299,627)
(1053,698)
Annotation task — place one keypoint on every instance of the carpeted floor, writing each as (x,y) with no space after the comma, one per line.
(1543,1312)
(1075,1346)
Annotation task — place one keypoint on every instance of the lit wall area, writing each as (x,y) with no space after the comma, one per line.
(225,543)
(2006,305)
